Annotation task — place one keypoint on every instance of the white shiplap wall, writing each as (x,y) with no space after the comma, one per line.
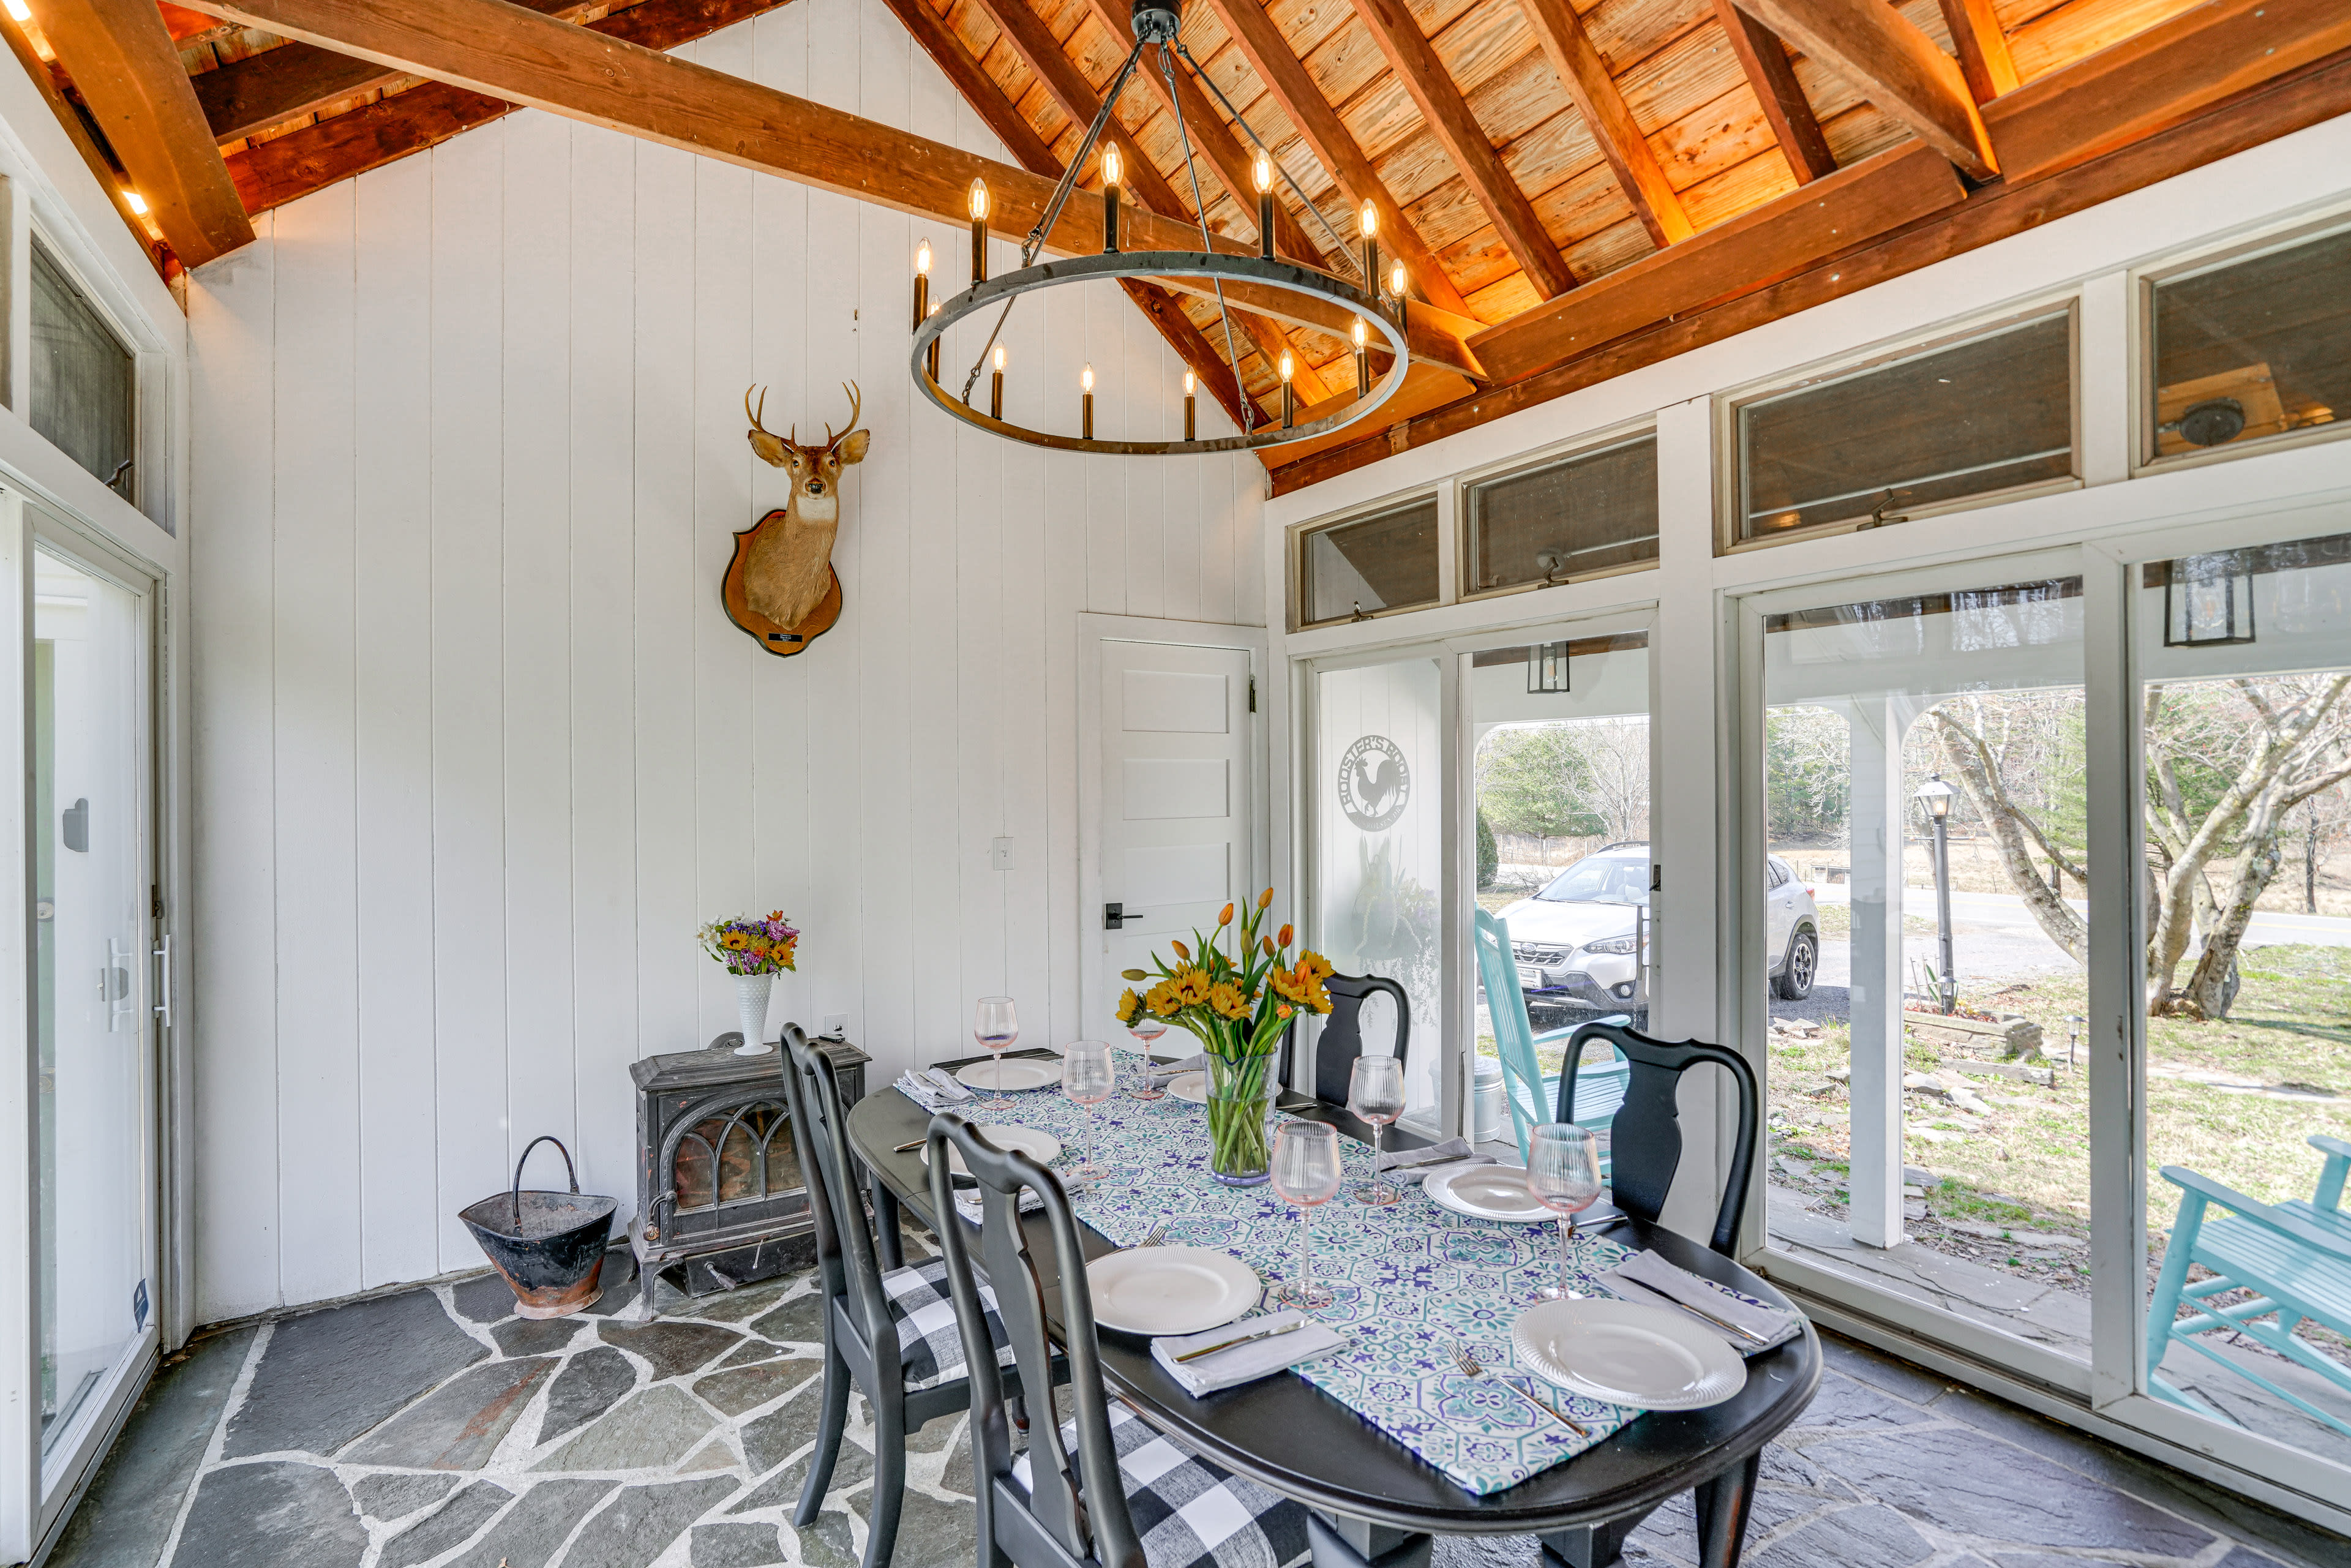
(475,746)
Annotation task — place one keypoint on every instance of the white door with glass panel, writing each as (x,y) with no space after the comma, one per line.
(1175,830)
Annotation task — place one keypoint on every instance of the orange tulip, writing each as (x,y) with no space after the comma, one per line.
(1283,940)
(1226,917)
(1265,898)
(1181,951)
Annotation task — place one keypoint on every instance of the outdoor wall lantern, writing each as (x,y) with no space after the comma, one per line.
(1935,796)
(1547,667)
(2207,599)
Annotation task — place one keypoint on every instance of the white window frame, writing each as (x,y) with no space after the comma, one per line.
(1591,444)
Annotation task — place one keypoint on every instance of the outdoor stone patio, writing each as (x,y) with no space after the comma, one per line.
(434,1427)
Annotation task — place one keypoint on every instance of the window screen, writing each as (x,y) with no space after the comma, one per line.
(1968,418)
(82,377)
(1382,562)
(2254,349)
(1565,519)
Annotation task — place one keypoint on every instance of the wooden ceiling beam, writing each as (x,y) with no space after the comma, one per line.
(123,59)
(1876,196)
(1894,65)
(1772,76)
(1234,164)
(1025,142)
(96,158)
(2160,78)
(2300,97)
(1585,76)
(283,168)
(1433,89)
(1068,87)
(1287,82)
(1984,60)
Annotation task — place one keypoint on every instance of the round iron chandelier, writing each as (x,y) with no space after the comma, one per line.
(1377,315)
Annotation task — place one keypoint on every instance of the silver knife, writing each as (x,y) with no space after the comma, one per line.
(1617,1281)
(1243,1339)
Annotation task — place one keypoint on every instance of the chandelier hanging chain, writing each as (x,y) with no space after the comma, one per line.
(1224,312)
(1337,247)
(1053,213)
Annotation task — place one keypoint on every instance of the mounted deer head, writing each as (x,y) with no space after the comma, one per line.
(786,563)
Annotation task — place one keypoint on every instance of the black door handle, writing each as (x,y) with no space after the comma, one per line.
(1114,916)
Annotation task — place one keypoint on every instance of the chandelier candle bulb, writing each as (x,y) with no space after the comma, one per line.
(996,386)
(979,231)
(1367,224)
(1190,407)
(1111,172)
(1086,381)
(1363,358)
(1289,397)
(1396,282)
(1263,171)
(922,284)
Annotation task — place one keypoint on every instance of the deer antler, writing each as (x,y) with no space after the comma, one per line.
(831,440)
(755,418)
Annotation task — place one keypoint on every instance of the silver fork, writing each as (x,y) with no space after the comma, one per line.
(1470,1368)
(1158,1234)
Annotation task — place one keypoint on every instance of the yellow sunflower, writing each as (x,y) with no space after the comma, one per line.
(1129,1005)
(1227,1000)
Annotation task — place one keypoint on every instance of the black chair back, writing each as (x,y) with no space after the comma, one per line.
(1341,1040)
(846,1260)
(1052,1524)
(1646,1143)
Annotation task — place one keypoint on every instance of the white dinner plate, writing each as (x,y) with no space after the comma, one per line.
(1171,1289)
(1192,1086)
(1485,1192)
(1642,1357)
(1004,1135)
(1019,1072)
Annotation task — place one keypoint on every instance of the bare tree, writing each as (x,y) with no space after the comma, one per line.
(1617,757)
(1982,759)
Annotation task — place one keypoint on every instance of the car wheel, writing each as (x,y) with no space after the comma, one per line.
(1793,983)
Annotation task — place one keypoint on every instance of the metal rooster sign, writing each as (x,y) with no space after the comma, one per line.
(781,588)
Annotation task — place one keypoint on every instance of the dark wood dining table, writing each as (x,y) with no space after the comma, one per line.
(1381,1503)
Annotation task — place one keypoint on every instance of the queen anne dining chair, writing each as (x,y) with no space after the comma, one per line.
(892,1335)
(1515,1041)
(1104,1489)
(1341,1043)
(1646,1124)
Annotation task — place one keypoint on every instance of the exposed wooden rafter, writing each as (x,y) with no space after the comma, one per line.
(1022,139)
(1984,59)
(1287,82)
(1894,65)
(95,157)
(1585,76)
(1772,76)
(273,172)
(1066,85)
(128,71)
(1433,89)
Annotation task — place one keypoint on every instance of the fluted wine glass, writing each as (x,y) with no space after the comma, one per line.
(1147,1029)
(1306,1174)
(1089,1077)
(996,1026)
(1563,1173)
(1375,1095)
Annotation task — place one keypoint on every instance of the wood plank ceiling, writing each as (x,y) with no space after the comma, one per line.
(1558,176)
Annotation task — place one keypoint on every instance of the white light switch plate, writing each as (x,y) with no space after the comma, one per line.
(999,854)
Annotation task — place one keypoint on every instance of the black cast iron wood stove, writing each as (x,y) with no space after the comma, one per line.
(720,1198)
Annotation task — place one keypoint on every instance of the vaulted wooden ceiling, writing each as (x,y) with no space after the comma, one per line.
(1575,186)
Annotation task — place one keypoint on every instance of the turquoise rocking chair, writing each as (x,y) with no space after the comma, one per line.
(1531,1093)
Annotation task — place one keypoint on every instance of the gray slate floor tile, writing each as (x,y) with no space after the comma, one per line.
(450,1525)
(272,1514)
(534,1529)
(396,1497)
(639,1524)
(590,1383)
(461,1426)
(328,1377)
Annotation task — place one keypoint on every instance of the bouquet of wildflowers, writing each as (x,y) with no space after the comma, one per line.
(749,945)
(1236,1003)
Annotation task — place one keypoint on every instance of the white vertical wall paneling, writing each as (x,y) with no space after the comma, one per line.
(536,579)
(470,960)
(392,622)
(602,411)
(319,1118)
(668,1016)
(552,756)
(721,502)
(232,373)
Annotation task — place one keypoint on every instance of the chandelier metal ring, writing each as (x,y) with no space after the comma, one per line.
(1150,263)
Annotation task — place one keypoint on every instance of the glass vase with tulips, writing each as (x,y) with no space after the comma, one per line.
(1235,990)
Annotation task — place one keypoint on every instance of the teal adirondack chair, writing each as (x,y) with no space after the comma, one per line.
(1531,1093)
(2295,1256)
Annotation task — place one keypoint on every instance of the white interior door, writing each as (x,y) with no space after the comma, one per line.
(1173,831)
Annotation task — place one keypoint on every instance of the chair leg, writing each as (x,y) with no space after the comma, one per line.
(889,1478)
(830,1425)
(1724,1505)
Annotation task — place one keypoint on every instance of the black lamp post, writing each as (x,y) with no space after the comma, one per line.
(1935,796)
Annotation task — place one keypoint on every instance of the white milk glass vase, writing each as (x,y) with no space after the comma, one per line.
(751,994)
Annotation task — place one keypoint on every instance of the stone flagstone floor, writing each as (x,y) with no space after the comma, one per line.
(433,1428)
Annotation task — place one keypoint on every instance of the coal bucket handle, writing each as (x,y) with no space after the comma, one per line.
(569,1170)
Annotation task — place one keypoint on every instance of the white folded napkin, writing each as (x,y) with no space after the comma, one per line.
(933,1089)
(1162,1074)
(1249,1362)
(1449,1152)
(1646,1278)
(1415,1175)
(968,1202)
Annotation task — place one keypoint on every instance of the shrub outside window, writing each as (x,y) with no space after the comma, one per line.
(2249,350)
(1957,421)
(1366,565)
(1592,512)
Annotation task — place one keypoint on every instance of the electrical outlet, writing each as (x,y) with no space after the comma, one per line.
(999,854)
(836,1024)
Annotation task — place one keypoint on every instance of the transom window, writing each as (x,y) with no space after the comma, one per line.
(2250,349)
(84,379)
(1385,561)
(1575,516)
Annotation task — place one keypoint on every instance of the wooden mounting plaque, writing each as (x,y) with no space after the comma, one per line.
(782,641)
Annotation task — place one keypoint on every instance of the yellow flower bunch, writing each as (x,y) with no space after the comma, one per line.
(1233,988)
